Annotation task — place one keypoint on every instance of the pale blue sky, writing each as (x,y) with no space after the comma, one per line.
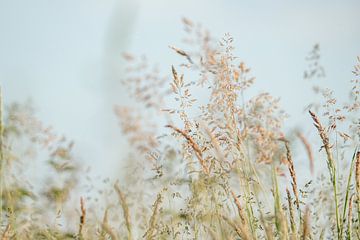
(65,54)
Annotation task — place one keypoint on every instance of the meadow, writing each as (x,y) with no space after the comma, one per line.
(205,161)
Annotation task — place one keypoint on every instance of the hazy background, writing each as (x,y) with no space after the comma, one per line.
(66,55)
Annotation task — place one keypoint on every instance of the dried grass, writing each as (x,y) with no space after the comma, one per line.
(217,175)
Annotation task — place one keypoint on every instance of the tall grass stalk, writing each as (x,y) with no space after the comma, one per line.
(348,186)
(1,156)
(331,167)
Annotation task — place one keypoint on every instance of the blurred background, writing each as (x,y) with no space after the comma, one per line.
(65,56)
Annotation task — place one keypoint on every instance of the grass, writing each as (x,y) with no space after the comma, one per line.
(213,166)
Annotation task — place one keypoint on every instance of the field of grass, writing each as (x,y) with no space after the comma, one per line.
(205,160)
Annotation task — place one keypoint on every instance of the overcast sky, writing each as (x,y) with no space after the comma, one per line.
(65,55)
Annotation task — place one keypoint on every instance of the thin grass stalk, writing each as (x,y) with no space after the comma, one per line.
(308,151)
(149,234)
(82,218)
(106,228)
(348,189)
(1,156)
(292,173)
(306,224)
(280,221)
(291,214)
(103,223)
(240,231)
(215,144)
(349,233)
(331,166)
(125,208)
(182,53)
(194,146)
(268,231)
(250,221)
(357,182)
(239,208)
(251,218)
(322,234)
(212,234)
(5,234)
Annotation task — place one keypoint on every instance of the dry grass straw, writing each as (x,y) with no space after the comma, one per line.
(292,172)
(331,167)
(2,160)
(82,218)
(194,146)
(238,206)
(357,181)
(291,215)
(350,218)
(149,234)
(107,229)
(239,229)
(326,144)
(6,233)
(280,219)
(348,188)
(182,53)
(125,208)
(212,233)
(306,225)
(308,150)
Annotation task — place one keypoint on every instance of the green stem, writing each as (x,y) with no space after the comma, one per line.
(348,189)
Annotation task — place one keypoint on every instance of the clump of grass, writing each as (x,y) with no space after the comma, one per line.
(208,167)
